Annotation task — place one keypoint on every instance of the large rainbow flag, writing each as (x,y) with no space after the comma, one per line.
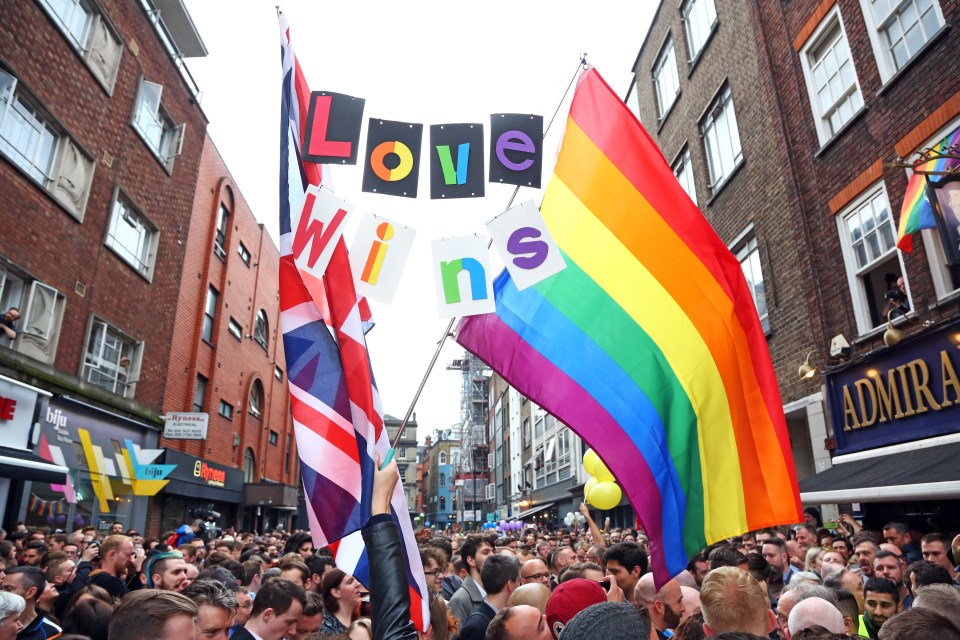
(648,344)
(917,211)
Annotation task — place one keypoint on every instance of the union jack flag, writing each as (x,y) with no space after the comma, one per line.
(336,408)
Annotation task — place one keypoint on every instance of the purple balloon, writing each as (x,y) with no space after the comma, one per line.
(78,520)
(50,519)
(61,518)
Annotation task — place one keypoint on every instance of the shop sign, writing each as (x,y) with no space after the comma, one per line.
(17,405)
(185,426)
(905,393)
(198,471)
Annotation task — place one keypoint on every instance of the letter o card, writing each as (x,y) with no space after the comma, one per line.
(525,244)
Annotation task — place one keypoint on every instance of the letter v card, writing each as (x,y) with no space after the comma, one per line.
(525,244)
(378,255)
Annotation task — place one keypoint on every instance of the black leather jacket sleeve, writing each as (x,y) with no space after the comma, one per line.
(389,592)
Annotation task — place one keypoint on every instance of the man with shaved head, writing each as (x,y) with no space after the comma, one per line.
(665,607)
(534,594)
(814,611)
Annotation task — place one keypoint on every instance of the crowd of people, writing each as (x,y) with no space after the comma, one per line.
(806,582)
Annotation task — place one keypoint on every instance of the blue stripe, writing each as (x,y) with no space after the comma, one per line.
(530,315)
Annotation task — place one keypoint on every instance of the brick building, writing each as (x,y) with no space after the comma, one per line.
(226,361)
(784,122)
(100,143)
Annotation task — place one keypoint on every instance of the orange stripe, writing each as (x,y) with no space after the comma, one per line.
(617,203)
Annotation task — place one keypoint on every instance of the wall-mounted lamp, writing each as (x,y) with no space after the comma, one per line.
(807,370)
(892,335)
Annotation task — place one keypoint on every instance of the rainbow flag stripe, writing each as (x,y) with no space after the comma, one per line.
(648,344)
(917,212)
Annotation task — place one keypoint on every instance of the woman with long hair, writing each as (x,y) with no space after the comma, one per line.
(341,595)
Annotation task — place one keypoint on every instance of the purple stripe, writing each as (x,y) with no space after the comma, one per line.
(523,367)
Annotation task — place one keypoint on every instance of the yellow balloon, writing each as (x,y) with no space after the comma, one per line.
(605,495)
(601,473)
(590,458)
(587,488)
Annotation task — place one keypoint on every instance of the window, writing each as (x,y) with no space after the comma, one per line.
(721,138)
(41,312)
(665,80)
(749,256)
(235,329)
(527,439)
(274,437)
(831,78)
(899,29)
(132,236)
(244,253)
(261,328)
(699,18)
(90,35)
(226,409)
(111,359)
(220,241)
(249,466)
(278,373)
(683,169)
(443,503)
(633,101)
(401,453)
(30,140)
(161,135)
(209,314)
(443,479)
(199,393)
(256,398)
(286,455)
(442,458)
(868,238)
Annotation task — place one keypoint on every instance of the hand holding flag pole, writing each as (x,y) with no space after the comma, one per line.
(448,332)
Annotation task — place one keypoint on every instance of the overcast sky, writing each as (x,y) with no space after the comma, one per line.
(428,62)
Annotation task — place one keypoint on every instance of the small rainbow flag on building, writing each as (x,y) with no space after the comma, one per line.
(648,344)
(917,211)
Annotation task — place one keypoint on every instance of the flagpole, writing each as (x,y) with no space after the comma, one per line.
(582,64)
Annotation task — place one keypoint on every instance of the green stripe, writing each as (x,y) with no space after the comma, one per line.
(574,294)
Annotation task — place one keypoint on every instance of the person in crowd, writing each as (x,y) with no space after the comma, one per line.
(434,563)
(153,614)
(300,543)
(626,562)
(295,570)
(922,573)
(474,552)
(890,566)
(116,551)
(899,534)
(8,324)
(570,598)
(89,618)
(880,603)
(521,622)
(499,576)
(918,624)
(244,607)
(33,552)
(664,607)
(731,600)
(588,570)
(534,594)
(728,555)
(28,583)
(806,537)
(942,597)
(457,572)
(166,570)
(814,611)
(865,548)
(774,551)
(814,560)
(848,607)
(11,606)
(535,570)
(361,629)
(318,564)
(276,610)
(311,618)
(560,559)
(216,608)
(341,595)
(935,548)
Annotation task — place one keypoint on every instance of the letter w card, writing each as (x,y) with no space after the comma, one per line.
(525,244)
(317,229)
(378,255)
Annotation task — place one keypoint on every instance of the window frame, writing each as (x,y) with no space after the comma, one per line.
(854,272)
(220,238)
(261,329)
(882,52)
(209,326)
(684,16)
(144,265)
(667,53)
(225,409)
(200,389)
(255,399)
(684,163)
(170,144)
(235,329)
(244,253)
(131,350)
(722,98)
(745,246)
(442,457)
(821,35)
(273,438)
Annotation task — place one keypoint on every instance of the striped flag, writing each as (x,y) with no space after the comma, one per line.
(336,409)
(648,344)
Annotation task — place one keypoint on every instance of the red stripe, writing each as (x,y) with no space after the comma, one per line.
(325,428)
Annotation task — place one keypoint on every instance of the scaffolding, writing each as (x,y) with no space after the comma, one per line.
(471,473)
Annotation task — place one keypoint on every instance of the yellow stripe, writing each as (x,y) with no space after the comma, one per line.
(598,252)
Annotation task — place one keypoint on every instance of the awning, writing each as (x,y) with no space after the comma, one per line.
(24,465)
(535,510)
(930,473)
